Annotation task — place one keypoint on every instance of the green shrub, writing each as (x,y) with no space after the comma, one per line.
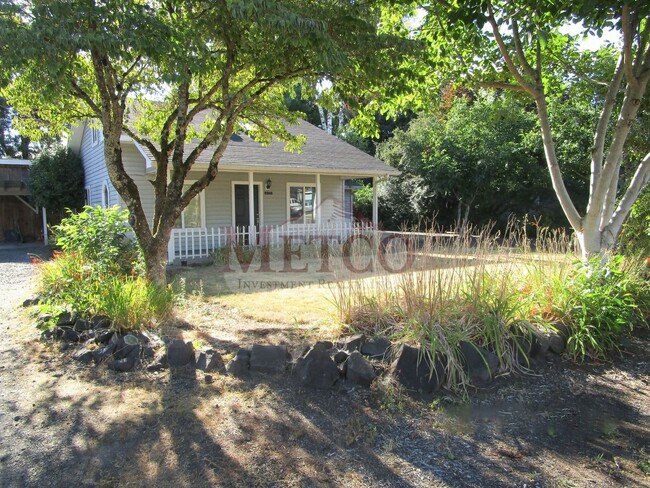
(604,302)
(70,282)
(362,201)
(99,235)
(97,272)
(635,235)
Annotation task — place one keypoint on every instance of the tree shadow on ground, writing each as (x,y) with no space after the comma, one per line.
(179,429)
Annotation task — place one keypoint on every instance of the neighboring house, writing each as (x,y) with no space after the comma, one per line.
(300,194)
(20,220)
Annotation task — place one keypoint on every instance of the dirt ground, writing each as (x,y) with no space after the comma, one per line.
(62,424)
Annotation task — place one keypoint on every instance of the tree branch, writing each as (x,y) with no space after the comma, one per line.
(554,167)
(627,114)
(627,47)
(506,55)
(141,140)
(638,182)
(81,94)
(601,129)
(610,200)
(519,50)
(128,71)
(501,85)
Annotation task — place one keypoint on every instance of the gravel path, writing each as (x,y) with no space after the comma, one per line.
(16,274)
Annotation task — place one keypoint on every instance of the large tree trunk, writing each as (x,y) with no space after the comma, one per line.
(155,261)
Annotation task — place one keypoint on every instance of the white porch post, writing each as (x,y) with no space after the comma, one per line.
(318,201)
(45,238)
(375,209)
(251,209)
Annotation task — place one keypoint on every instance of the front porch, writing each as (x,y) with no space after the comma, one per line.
(199,243)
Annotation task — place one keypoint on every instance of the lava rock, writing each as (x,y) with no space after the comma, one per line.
(352,343)
(159,362)
(377,347)
(558,337)
(480,364)
(180,353)
(66,318)
(102,353)
(316,370)
(42,321)
(101,322)
(358,370)
(124,345)
(148,352)
(83,355)
(67,334)
(340,357)
(414,369)
(100,336)
(209,361)
(322,345)
(31,302)
(128,362)
(82,325)
(240,364)
(122,365)
(269,359)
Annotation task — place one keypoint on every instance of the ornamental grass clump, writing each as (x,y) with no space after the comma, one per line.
(496,291)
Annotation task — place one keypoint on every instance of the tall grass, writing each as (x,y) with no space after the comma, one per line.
(71,282)
(494,291)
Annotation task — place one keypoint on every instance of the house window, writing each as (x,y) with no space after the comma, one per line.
(95,134)
(87,196)
(192,215)
(301,204)
(106,196)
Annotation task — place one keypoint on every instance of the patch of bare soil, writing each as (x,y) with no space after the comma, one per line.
(62,424)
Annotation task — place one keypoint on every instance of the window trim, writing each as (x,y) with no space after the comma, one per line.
(106,194)
(88,195)
(94,135)
(201,197)
(288,199)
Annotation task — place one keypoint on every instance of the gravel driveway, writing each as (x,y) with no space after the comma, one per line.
(16,273)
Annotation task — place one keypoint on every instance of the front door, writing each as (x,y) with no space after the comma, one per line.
(242,218)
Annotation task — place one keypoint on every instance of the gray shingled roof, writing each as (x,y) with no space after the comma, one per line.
(322,152)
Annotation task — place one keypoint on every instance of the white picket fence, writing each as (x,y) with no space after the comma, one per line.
(197,243)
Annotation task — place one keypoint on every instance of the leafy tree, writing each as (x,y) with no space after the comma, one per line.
(477,160)
(12,145)
(227,63)
(518,46)
(635,236)
(56,181)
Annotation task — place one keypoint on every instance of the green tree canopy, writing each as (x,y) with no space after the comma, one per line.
(521,46)
(151,70)
(479,162)
(56,181)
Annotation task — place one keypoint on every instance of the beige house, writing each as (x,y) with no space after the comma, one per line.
(261,192)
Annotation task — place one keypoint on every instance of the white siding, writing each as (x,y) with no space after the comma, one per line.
(218,197)
(134,165)
(95,173)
